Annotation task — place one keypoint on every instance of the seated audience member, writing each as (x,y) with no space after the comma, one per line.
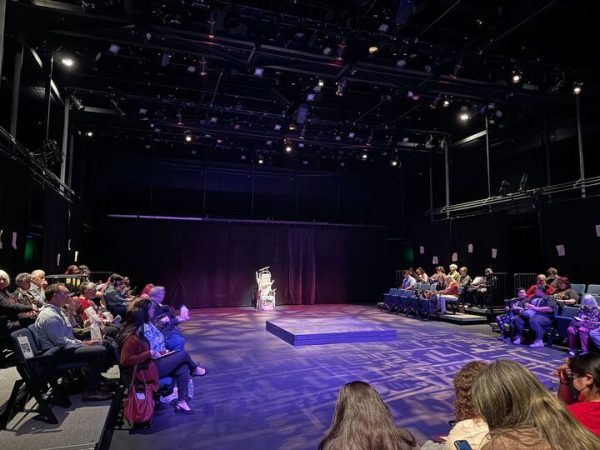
(114,295)
(522,413)
(477,292)
(541,282)
(439,277)
(73,314)
(146,291)
(73,283)
(13,315)
(469,426)
(421,275)
(157,339)
(135,350)
(53,331)
(449,294)
(564,294)
(586,320)
(552,277)
(38,284)
(506,322)
(540,313)
(454,273)
(464,280)
(580,375)
(22,294)
(165,319)
(85,270)
(92,314)
(363,421)
(129,291)
(409,281)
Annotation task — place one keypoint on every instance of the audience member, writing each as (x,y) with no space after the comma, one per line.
(564,294)
(580,375)
(540,282)
(152,365)
(586,320)
(454,273)
(470,426)
(92,315)
(53,331)
(477,293)
(38,284)
(464,280)
(552,277)
(22,294)
(409,281)
(449,294)
(506,322)
(114,295)
(539,312)
(362,421)
(421,275)
(439,277)
(521,413)
(13,315)
(164,318)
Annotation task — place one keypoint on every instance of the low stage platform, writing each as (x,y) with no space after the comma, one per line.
(332,330)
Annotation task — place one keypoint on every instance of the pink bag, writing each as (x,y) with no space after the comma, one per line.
(139,406)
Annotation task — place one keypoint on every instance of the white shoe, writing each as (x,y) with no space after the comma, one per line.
(517,341)
(537,344)
(169,399)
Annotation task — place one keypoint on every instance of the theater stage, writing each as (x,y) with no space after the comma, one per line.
(263,393)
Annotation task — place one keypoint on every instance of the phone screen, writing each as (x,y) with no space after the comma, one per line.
(462,445)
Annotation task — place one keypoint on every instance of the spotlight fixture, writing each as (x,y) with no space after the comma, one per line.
(341,49)
(260,161)
(327,51)
(114,49)
(464,116)
(288,148)
(341,87)
(277,127)
(577,89)
(394,163)
(66,61)
(446,103)
(364,156)
(401,63)
(434,103)
(188,138)
(516,77)
(78,103)
(179,118)
(292,126)
(203,71)
(89,133)
(259,71)
(373,49)
(321,83)
(211,26)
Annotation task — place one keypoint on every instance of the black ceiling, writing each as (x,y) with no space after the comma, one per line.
(243,77)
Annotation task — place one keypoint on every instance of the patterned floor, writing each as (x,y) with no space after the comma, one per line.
(262,393)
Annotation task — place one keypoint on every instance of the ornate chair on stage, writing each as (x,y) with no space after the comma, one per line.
(265,295)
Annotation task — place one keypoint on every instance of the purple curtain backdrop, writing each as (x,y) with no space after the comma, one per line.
(213,264)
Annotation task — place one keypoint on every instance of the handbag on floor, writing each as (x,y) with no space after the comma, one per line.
(139,406)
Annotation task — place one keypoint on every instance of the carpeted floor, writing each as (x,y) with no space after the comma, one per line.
(262,393)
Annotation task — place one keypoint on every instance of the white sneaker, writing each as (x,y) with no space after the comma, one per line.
(169,399)
(517,341)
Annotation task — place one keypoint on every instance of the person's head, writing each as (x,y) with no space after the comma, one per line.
(540,290)
(463,383)
(440,270)
(23,280)
(541,279)
(509,397)
(552,272)
(84,270)
(361,417)
(133,323)
(453,268)
(57,294)
(126,281)
(38,277)
(419,271)
(563,283)
(521,293)
(488,272)
(72,270)
(585,374)
(449,279)
(116,280)
(145,304)
(88,290)
(589,301)
(4,280)
(157,293)
(463,271)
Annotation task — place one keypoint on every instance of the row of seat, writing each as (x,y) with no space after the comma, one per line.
(411,301)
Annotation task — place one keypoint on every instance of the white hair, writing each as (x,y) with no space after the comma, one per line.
(5,275)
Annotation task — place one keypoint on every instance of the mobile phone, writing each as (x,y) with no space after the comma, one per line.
(462,445)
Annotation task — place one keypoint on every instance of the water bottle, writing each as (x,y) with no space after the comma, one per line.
(191,389)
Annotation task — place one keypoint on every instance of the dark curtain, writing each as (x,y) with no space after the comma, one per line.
(213,264)
(56,224)
(15,189)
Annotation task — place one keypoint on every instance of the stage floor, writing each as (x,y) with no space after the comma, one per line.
(262,393)
(331,330)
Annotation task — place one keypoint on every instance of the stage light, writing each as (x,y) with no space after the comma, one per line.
(67,61)
(446,103)
(203,71)
(394,163)
(292,126)
(516,78)
(577,89)
(351,135)
(78,103)
(260,161)
(165,60)
(259,71)
(321,83)
(327,51)
(211,26)
(401,63)
(341,87)
(364,156)
(288,148)
(89,133)
(179,118)
(188,138)
(114,49)
(464,116)
(277,127)
(341,49)
(373,49)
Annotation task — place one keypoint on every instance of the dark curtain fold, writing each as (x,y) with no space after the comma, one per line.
(210,264)
(56,224)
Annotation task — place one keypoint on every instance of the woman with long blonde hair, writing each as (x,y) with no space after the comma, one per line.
(362,421)
(523,414)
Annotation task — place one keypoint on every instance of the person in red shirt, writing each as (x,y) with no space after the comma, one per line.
(580,375)
(541,281)
(450,294)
